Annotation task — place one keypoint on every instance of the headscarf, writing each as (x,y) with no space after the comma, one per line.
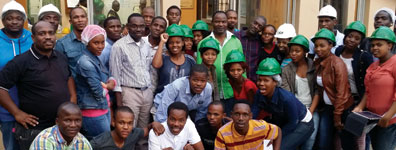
(90,32)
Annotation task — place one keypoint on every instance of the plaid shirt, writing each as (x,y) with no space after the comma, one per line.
(51,138)
(251,48)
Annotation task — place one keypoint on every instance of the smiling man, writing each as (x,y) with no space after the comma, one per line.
(194,91)
(65,134)
(180,132)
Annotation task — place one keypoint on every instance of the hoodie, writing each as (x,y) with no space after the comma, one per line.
(9,48)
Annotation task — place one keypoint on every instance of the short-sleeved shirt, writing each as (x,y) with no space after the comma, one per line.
(105,141)
(41,81)
(380,82)
(169,71)
(51,139)
(259,130)
(248,85)
(177,142)
(206,132)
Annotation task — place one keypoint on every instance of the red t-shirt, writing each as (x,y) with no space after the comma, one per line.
(248,85)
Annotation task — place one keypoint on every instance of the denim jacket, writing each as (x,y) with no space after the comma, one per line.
(89,73)
(361,61)
(286,110)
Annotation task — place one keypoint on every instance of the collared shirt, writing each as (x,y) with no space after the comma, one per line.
(208,135)
(287,111)
(251,47)
(177,142)
(339,41)
(41,81)
(230,43)
(179,90)
(72,48)
(130,63)
(380,84)
(51,138)
(104,57)
(9,49)
(105,141)
(153,71)
(259,130)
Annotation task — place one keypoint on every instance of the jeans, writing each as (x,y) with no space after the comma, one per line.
(24,136)
(383,138)
(326,129)
(8,136)
(93,126)
(302,132)
(308,145)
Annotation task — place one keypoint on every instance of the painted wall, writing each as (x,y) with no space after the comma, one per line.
(306,17)
(189,15)
(371,7)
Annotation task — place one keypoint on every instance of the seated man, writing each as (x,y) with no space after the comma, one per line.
(192,91)
(180,132)
(208,127)
(65,134)
(244,132)
(124,136)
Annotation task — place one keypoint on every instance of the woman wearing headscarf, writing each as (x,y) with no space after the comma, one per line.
(93,83)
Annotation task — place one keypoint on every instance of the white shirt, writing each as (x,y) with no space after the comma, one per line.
(339,41)
(177,142)
(351,76)
(325,97)
(303,93)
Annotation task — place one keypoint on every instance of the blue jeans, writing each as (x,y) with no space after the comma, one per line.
(8,136)
(93,126)
(326,129)
(308,145)
(302,132)
(383,138)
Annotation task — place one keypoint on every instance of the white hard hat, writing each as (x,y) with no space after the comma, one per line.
(48,8)
(328,11)
(389,11)
(285,31)
(13,5)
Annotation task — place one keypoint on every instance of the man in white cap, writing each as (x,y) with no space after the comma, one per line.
(51,14)
(283,36)
(14,40)
(327,18)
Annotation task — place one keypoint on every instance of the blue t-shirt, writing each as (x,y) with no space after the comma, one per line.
(169,71)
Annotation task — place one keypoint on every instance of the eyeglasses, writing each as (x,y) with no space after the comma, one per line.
(267,34)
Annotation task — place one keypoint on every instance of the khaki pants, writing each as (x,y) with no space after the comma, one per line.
(140,101)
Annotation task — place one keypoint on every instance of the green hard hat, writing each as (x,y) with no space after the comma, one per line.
(299,40)
(324,34)
(235,56)
(209,43)
(356,26)
(200,25)
(268,67)
(384,33)
(175,30)
(187,31)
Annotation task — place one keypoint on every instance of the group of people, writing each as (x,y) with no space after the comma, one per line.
(164,86)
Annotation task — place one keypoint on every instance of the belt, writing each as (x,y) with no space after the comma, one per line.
(139,88)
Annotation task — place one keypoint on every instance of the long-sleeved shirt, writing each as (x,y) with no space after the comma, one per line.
(179,90)
(230,43)
(72,48)
(51,138)
(105,56)
(287,111)
(130,63)
(251,48)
